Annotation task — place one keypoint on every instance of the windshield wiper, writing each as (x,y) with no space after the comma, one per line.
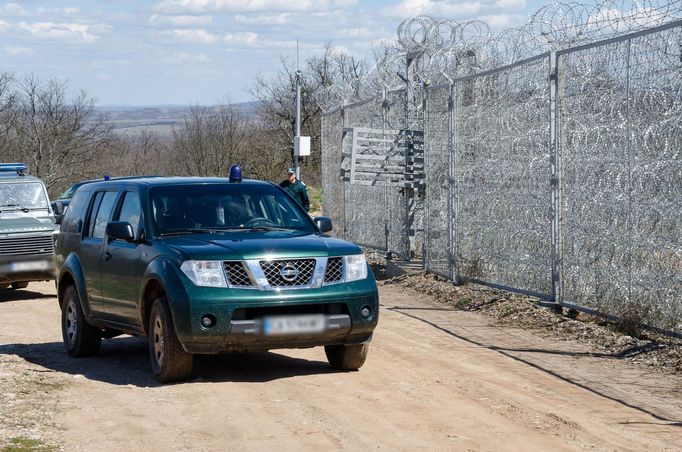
(270,228)
(16,207)
(187,231)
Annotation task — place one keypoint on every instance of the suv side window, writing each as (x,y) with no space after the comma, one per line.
(130,210)
(103,212)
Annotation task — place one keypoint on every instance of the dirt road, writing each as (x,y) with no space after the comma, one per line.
(435,379)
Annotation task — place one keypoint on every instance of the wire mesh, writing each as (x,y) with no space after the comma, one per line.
(591,220)
(621,160)
(437,155)
(332,183)
(501,156)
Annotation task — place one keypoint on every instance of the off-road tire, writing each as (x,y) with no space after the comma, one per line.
(19,285)
(170,362)
(346,357)
(80,338)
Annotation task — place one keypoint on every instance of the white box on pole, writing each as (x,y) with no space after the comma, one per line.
(301,146)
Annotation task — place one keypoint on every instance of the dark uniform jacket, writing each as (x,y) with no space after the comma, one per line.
(297,191)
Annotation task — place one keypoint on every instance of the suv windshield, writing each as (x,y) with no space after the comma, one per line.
(180,208)
(26,195)
(68,194)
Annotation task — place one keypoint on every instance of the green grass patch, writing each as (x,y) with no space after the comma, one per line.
(22,443)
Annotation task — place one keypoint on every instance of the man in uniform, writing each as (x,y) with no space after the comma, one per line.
(296,189)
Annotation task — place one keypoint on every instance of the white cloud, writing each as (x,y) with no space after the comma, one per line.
(510,4)
(360,32)
(3,25)
(15,50)
(183,57)
(264,19)
(443,8)
(504,20)
(198,36)
(13,9)
(198,6)
(253,40)
(42,11)
(180,21)
(63,31)
(247,38)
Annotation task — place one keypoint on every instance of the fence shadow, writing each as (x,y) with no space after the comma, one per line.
(509,353)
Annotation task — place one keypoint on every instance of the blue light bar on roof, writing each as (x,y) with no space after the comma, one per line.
(19,168)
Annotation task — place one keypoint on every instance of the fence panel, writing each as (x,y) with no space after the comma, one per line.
(398,225)
(501,158)
(621,165)
(365,211)
(437,147)
(333,186)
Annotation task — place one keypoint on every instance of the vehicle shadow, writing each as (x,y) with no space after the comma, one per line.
(21,294)
(125,361)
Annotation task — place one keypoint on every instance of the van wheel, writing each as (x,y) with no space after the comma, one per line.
(346,357)
(80,338)
(19,285)
(170,362)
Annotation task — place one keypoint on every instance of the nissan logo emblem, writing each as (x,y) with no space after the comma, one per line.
(288,272)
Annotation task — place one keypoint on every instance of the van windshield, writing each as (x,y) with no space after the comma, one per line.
(24,195)
(225,206)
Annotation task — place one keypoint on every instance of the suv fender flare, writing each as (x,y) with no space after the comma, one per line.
(72,267)
(167,274)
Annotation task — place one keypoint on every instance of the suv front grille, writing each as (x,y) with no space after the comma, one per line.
(42,245)
(334,271)
(288,273)
(237,276)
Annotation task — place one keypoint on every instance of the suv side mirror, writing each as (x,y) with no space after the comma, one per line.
(121,230)
(58,210)
(324,224)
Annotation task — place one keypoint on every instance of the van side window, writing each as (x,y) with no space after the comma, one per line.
(130,210)
(103,214)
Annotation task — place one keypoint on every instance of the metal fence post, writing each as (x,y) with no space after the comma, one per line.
(452,188)
(555,180)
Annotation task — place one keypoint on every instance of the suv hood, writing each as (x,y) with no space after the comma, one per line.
(11,223)
(258,245)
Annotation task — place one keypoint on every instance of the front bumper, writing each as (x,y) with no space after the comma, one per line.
(239,317)
(26,268)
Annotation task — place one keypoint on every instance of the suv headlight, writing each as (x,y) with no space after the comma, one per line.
(356,267)
(205,273)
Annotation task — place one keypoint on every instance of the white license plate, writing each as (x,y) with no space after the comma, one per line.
(29,266)
(293,324)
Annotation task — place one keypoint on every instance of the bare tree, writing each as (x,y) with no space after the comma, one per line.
(141,154)
(7,100)
(61,138)
(209,140)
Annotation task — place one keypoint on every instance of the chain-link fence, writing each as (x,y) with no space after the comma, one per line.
(559,174)
(620,126)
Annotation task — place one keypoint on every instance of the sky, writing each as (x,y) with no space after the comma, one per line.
(181,52)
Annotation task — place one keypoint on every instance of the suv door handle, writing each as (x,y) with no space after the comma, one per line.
(107,256)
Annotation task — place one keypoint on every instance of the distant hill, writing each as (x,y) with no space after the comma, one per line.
(132,120)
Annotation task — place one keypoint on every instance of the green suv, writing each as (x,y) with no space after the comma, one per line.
(207,265)
(26,228)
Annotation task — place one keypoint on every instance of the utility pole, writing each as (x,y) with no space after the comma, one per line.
(301,144)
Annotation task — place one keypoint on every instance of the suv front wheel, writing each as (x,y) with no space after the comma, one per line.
(346,357)
(80,338)
(170,362)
